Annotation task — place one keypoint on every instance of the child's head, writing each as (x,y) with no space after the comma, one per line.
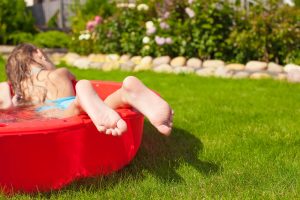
(20,62)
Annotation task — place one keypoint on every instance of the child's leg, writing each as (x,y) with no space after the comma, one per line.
(136,94)
(104,118)
(5,96)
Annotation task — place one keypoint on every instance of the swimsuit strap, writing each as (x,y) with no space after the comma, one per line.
(35,70)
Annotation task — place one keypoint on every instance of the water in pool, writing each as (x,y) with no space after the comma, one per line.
(19,114)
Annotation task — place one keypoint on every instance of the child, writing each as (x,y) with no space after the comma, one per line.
(36,81)
(5,96)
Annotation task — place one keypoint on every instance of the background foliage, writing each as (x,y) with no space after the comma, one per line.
(208,29)
(14,17)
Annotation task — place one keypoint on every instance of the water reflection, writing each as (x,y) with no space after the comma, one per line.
(19,114)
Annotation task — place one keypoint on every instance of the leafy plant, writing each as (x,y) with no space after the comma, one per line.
(20,37)
(52,39)
(192,28)
(53,21)
(14,17)
(267,35)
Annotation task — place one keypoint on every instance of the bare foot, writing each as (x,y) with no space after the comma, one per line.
(157,110)
(104,118)
(5,96)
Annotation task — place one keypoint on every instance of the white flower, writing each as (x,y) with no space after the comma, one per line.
(121,5)
(84,36)
(149,24)
(166,15)
(126,5)
(87,36)
(169,40)
(131,5)
(142,7)
(164,25)
(146,40)
(81,37)
(190,12)
(190,1)
(151,30)
(160,40)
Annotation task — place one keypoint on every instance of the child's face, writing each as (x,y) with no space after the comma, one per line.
(40,58)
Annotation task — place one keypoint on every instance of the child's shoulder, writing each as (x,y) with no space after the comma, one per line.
(58,73)
(57,76)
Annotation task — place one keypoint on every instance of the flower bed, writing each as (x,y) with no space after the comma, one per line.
(192,28)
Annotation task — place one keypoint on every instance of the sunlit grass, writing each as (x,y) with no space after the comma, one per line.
(232,139)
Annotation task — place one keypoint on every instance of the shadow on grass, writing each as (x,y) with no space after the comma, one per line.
(159,156)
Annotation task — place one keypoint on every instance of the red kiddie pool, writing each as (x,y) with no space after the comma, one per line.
(43,155)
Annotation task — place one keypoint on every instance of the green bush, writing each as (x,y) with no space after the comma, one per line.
(268,35)
(206,29)
(122,33)
(20,37)
(14,17)
(84,41)
(52,39)
(85,12)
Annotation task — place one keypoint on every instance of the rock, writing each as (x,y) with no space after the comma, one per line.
(96,65)
(112,65)
(136,59)
(163,68)
(281,77)
(293,75)
(127,66)
(260,75)
(145,64)
(205,71)
(178,61)
(184,70)
(124,58)
(213,63)
(112,57)
(56,58)
(82,63)
(147,60)
(256,66)
(289,67)
(241,74)
(273,67)
(6,49)
(97,58)
(140,67)
(70,58)
(161,60)
(235,66)
(223,72)
(194,62)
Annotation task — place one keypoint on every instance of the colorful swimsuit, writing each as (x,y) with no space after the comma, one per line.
(61,104)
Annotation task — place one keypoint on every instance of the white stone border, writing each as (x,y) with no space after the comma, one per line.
(177,65)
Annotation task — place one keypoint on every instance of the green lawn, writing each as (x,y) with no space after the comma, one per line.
(232,139)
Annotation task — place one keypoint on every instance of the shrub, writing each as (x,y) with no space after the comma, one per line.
(52,39)
(200,28)
(84,40)
(123,32)
(83,13)
(20,37)
(192,28)
(267,35)
(14,17)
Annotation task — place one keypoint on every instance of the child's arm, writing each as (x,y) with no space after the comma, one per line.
(5,96)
